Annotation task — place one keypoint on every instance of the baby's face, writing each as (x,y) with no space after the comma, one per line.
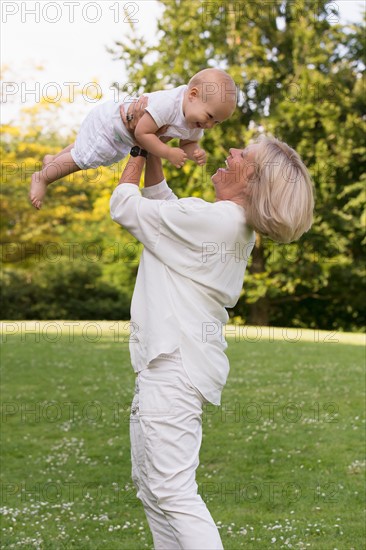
(205,114)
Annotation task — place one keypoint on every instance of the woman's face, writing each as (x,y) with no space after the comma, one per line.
(230,182)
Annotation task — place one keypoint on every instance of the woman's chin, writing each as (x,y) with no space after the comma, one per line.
(218,175)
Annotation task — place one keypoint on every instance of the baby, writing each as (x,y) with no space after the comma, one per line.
(103,139)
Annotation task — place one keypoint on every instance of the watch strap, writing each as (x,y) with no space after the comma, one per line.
(136,151)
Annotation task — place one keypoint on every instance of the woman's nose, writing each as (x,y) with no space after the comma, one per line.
(234,152)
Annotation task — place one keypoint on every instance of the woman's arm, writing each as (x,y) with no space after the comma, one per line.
(154,171)
(153,174)
(155,184)
(133,170)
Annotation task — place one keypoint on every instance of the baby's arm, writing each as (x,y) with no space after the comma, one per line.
(145,135)
(193,151)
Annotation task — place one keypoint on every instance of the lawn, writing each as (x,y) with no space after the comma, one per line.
(282,459)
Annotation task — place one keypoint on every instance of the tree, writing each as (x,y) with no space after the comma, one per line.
(299,75)
(68,260)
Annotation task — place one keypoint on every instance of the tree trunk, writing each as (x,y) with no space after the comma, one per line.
(259,311)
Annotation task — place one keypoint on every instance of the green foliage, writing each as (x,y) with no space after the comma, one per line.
(61,290)
(68,260)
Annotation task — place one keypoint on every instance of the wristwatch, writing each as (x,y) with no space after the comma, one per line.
(136,151)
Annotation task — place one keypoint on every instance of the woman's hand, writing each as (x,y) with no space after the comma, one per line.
(134,113)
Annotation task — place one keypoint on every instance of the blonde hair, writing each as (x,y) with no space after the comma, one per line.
(280,199)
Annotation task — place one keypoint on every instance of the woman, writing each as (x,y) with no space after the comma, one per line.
(192,268)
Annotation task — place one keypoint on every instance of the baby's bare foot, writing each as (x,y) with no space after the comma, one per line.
(38,190)
(47,160)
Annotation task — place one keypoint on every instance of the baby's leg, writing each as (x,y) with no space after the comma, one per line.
(61,166)
(50,158)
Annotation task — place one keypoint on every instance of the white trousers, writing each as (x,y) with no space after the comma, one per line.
(166,435)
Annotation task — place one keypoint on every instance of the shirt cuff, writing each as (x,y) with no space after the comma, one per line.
(126,189)
(153,191)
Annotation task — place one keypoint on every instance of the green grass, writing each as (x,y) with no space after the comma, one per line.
(282,460)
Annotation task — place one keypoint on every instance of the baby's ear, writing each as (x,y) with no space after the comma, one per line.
(193,92)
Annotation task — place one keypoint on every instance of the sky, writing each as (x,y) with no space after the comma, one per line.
(49,48)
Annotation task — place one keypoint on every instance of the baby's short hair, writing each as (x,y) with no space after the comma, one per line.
(280,193)
(207,75)
(214,82)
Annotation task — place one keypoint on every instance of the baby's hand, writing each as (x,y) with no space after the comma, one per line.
(200,156)
(177,157)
